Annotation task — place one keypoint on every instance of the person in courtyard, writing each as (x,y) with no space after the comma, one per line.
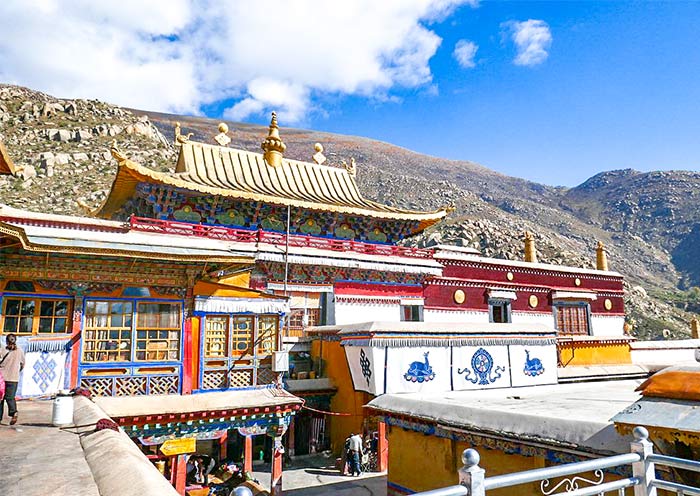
(355,454)
(11,365)
(345,460)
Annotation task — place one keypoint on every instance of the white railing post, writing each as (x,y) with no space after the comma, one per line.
(471,475)
(643,469)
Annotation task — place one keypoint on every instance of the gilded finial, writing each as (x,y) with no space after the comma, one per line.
(116,152)
(450,208)
(273,147)
(179,137)
(530,251)
(601,257)
(222,138)
(319,157)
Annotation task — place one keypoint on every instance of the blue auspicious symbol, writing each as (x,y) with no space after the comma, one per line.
(482,365)
(533,366)
(44,371)
(365,364)
(420,371)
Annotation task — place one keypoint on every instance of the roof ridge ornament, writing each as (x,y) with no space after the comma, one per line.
(222,138)
(273,147)
(351,168)
(116,152)
(179,137)
(319,157)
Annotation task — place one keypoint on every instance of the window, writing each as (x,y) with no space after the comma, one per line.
(411,313)
(572,318)
(107,332)
(241,334)
(220,341)
(268,327)
(299,318)
(216,337)
(36,316)
(158,331)
(499,311)
(113,333)
(296,318)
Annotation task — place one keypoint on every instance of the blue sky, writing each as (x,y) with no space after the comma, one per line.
(554,92)
(620,88)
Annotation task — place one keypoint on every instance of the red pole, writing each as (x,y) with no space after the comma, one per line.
(383,449)
(248,454)
(223,447)
(276,476)
(290,440)
(180,470)
(187,357)
(75,340)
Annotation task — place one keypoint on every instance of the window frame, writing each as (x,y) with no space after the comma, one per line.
(36,316)
(414,309)
(233,352)
(556,305)
(133,330)
(501,302)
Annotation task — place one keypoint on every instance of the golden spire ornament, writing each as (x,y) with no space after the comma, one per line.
(601,257)
(222,138)
(273,147)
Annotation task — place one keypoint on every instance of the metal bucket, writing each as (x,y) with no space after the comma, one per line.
(62,409)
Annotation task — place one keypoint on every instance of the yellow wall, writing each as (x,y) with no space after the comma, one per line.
(346,399)
(595,354)
(422,462)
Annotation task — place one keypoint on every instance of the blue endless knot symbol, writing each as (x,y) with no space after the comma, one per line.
(366,366)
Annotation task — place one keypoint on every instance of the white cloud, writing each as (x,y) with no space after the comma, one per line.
(177,55)
(464,52)
(532,39)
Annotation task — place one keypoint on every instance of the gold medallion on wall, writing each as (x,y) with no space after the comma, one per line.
(608,304)
(533,301)
(459,296)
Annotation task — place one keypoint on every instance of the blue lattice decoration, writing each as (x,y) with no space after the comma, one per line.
(44,371)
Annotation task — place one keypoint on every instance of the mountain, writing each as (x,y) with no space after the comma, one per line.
(648,221)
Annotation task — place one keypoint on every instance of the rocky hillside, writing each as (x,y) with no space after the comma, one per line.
(62,150)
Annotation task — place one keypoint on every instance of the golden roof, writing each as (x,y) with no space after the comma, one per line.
(6,164)
(228,172)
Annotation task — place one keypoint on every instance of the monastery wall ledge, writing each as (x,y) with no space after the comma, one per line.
(111,455)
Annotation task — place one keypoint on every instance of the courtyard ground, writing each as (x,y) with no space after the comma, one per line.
(316,475)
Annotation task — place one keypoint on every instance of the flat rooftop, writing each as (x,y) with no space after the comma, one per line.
(574,415)
(39,459)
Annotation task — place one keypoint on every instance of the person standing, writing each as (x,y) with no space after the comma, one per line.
(11,365)
(356,453)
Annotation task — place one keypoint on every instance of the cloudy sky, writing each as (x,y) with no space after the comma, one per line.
(550,91)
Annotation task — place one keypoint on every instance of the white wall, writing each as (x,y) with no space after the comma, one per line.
(355,313)
(546,318)
(433,315)
(664,352)
(607,325)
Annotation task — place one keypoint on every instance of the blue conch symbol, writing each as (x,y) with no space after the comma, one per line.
(420,371)
(533,366)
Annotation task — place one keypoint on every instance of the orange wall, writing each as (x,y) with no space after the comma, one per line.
(346,399)
(422,462)
(594,354)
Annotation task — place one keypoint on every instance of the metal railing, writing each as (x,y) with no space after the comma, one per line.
(273,238)
(642,459)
